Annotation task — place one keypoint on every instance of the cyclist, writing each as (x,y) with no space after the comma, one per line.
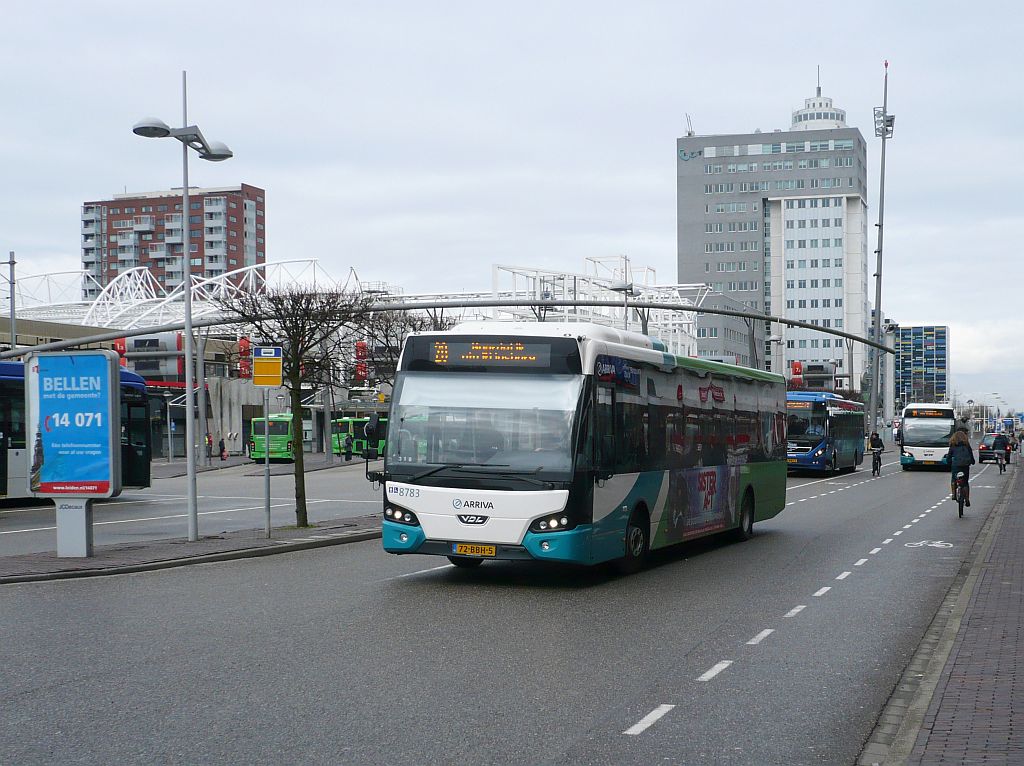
(1001,447)
(960,458)
(877,446)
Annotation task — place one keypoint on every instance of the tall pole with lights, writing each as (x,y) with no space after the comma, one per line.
(883,129)
(191,138)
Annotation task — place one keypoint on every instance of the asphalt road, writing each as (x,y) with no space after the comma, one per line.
(779,650)
(229,500)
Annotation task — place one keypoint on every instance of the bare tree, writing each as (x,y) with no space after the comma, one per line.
(385,333)
(306,323)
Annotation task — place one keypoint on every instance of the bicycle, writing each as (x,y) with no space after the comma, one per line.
(961,492)
(1001,460)
(876,462)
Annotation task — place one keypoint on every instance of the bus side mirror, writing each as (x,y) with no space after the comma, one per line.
(370,429)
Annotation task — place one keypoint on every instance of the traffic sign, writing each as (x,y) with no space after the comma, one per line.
(267,366)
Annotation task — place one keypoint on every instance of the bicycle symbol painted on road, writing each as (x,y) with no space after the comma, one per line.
(929,544)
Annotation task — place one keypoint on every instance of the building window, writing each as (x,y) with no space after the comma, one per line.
(789,264)
(839,303)
(801,264)
(802,283)
(801,304)
(790,304)
(837,242)
(803,344)
(826,303)
(814,283)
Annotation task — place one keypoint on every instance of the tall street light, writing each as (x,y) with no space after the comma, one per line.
(883,129)
(191,138)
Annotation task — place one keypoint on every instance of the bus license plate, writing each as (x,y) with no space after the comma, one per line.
(928,462)
(791,460)
(466,549)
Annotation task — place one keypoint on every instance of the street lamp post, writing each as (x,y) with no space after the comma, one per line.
(170,443)
(626,288)
(883,129)
(190,137)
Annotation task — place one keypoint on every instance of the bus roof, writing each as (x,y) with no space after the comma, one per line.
(817,396)
(16,371)
(277,416)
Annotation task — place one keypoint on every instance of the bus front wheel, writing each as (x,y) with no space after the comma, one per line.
(746,528)
(465,562)
(637,543)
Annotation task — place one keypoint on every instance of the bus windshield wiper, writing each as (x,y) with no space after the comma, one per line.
(519,473)
(432,471)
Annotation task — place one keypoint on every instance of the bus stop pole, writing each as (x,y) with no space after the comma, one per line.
(266,456)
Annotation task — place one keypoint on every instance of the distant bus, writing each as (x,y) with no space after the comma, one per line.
(136,451)
(355,426)
(926,429)
(824,431)
(575,443)
(282,438)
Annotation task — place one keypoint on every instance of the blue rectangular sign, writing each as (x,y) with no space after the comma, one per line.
(73,406)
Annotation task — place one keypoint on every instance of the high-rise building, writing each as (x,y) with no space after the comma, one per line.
(778,221)
(226,228)
(922,364)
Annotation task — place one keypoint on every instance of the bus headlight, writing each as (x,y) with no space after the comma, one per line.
(401,515)
(554,523)
(820,452)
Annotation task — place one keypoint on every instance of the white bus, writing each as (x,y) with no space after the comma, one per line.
(573,443)
(925,431)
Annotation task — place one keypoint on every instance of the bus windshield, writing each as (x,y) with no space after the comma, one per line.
(277,427)
(927,432)
(466,419)
(805,425)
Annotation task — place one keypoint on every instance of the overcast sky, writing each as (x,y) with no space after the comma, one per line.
(421,142)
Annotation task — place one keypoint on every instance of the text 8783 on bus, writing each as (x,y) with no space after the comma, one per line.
(573,443)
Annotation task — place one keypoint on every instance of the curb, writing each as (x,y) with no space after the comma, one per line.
(900,722)
(282,546)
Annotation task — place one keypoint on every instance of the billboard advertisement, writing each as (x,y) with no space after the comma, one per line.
(72,402)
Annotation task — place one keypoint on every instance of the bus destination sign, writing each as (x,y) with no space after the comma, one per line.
(492,353)
(929,414)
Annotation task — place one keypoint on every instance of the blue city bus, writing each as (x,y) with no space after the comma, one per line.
(136,449)
(574,443)
(824,432)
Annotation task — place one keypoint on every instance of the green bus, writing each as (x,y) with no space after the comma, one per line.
(354,427)
(282,438)
(575,443)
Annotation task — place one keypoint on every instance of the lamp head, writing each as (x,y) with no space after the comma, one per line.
(217,152)
(151,127)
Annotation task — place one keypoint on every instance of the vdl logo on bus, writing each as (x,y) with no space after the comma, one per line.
(472,518)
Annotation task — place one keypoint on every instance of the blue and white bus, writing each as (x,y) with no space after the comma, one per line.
(924,433)
(136,452)
(573,443)
(824,432)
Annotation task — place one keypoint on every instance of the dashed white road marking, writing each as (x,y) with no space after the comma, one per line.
(822,591)
(873,551)
(645,723)
(887,541)
(714,671)
(860,562)
(844,575)
(906,526)
(898,533)
(760,636)
(795,610)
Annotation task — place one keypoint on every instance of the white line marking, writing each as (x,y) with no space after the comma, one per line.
(898,533)
(906,526)
(715,670)
(873,551)
(861,562)
(822,591)
(760,636)
(644,723)
(795,610)
(887,541)
(844,575)
(421,571)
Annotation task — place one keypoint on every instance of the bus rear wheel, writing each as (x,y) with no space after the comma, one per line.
(637,541)
(746,528)
(465,562)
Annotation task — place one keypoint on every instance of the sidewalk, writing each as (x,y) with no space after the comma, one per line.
(961,699)
(164,554)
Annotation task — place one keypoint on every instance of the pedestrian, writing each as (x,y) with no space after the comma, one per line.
(223,450)
(209,444)
(349,441)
